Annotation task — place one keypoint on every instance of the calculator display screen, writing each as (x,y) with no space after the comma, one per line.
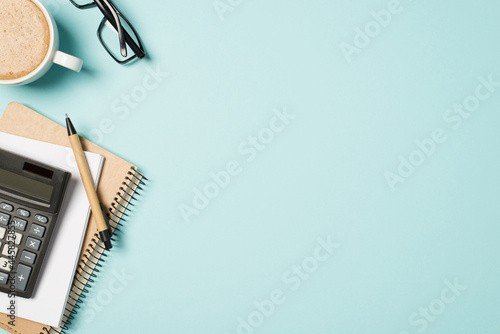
(26,186)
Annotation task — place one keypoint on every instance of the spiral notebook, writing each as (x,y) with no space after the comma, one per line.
(118,186)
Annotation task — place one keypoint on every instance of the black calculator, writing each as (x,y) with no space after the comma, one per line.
(31,194)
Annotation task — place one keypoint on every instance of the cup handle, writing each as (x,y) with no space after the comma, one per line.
(64,59)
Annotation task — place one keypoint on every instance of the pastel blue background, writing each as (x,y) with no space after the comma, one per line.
(322,176)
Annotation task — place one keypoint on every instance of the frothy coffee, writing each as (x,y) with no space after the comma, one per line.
(24,38)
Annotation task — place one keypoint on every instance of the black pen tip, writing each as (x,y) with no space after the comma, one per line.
(70,127)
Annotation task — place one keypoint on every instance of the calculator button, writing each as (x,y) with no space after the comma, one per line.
(9,251)
(22,276)
(4,278)
(19,224)
(6,207)
(19,238)
(2,232)
(5,264)
(23,213)
(41,219)
(37,230)
(32,243)
(28,257)
(4,218)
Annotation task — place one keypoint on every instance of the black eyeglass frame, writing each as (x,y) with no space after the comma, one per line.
(113,15)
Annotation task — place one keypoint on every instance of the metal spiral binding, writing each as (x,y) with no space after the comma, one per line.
(95,254)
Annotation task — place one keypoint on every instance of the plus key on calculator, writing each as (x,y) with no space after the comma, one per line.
(31,194)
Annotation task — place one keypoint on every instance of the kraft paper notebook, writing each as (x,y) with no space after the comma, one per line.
(119,183)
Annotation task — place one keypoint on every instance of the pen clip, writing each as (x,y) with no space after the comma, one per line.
(104,214)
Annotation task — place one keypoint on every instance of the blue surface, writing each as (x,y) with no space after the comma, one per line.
(421,257)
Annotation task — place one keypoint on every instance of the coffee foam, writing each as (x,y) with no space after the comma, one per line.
(24,38)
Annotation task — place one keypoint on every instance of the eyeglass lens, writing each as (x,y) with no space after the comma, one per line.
(108,36)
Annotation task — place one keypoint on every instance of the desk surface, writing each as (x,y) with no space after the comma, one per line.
(315,167)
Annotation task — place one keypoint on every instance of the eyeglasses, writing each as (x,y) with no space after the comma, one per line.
(129,39)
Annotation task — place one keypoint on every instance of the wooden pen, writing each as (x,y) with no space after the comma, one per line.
(88,183)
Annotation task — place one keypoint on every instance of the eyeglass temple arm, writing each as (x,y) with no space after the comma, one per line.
(127,39)
(84,6)
(119,28)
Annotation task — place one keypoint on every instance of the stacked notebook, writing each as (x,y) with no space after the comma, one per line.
(118,184)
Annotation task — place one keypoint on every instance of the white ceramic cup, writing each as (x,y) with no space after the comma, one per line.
(53,56)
